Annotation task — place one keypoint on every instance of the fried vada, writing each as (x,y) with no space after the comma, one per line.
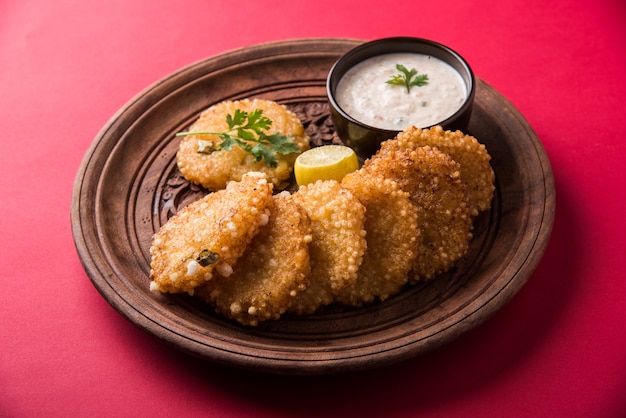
(472,156)
(433,181)
(338,242)
(209,235)
(213,169)
(392,238)
(272,271)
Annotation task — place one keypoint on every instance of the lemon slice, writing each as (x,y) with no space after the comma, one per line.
(328,162)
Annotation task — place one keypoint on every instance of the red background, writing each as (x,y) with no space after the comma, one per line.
(557,349)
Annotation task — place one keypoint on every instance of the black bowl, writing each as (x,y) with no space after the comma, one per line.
(366,139)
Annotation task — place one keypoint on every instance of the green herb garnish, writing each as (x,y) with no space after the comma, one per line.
(246,130)
(207,257)
(408,78)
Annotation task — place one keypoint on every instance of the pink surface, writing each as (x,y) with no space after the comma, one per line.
(558,349)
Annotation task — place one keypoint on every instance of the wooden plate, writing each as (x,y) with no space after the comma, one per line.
(128,186)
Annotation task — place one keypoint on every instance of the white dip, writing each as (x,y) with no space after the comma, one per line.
(364,94)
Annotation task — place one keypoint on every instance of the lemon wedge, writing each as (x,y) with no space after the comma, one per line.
(328,162)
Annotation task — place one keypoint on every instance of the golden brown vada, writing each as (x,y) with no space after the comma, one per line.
(272,271)
(338,244)
(472,156)
(392,239)
(209,235)
(433,181)
(215,169)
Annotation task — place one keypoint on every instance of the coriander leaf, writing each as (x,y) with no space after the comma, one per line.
(228,142)
(397,79)
(246,135)
(257,122)
(405,78)
(420,80)
(267,154)
(246,130)
(236,120)
(283,145)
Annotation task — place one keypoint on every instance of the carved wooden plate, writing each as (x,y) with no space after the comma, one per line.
(128,185)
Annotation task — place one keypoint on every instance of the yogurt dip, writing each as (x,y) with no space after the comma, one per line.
(364,94)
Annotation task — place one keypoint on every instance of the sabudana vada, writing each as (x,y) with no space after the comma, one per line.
(472,156)
(338,242)
(209,235)
(272,271)
(392,238)
(433,181)
(213,169)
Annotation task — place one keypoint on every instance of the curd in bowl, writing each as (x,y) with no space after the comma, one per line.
(367,108)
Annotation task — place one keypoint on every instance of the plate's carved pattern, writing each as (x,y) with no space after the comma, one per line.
(178,192)
(315,117)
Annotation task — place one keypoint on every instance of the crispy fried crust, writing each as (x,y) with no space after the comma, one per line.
(268,255)
(392,239)
(338,245)
(272,271)
(220,225)
(472,156)
(434,184)
(216,169)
